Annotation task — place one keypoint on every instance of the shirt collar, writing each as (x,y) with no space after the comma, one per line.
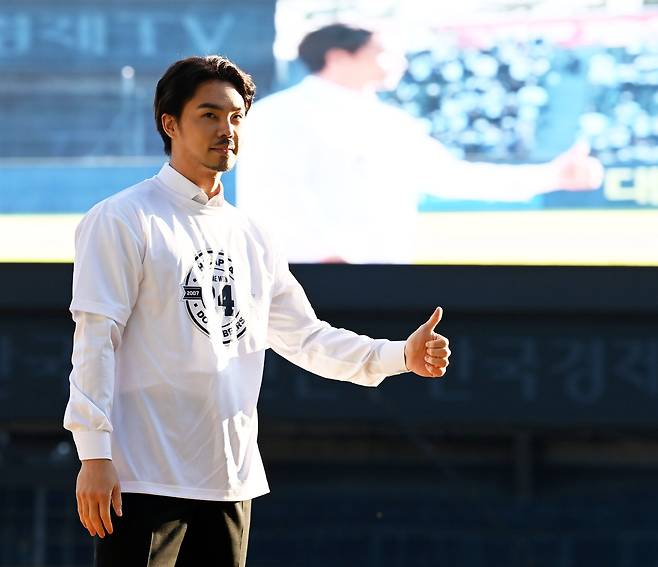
(183,186)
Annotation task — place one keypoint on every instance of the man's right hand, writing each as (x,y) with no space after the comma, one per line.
(576,170)
(97,486)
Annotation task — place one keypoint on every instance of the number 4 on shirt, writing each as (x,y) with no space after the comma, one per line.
(225,300)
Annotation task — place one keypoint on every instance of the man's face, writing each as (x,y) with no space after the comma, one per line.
(208,130)
(378,63)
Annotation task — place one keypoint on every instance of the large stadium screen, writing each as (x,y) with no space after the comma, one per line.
(485,133)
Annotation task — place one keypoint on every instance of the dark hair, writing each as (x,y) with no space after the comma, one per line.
(181,80)
(315,45)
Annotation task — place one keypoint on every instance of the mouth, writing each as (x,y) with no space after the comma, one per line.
(224,150)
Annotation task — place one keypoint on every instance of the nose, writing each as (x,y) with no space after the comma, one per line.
(225,128)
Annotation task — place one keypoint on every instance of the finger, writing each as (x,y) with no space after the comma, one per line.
(77,500)
(104,507)
(116,500)
(440,342)
(434,319)
(81,510)
(440,352)
(86,522)
(437,362)
(596,172)
(94,517)
(581,147)
(434,372)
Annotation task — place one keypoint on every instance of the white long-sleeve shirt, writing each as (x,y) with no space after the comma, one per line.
(175,299)
(336,173)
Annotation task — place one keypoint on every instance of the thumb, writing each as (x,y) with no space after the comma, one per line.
(580,148)
(434,319)
(116,499)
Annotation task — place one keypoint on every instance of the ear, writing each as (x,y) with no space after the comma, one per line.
(168,124)
(336,56)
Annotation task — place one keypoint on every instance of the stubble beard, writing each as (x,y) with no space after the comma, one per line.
(222,166)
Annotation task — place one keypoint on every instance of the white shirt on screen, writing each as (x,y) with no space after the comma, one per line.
(337,174)
(176,298)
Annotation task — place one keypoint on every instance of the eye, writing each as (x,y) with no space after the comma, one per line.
(209,115)
(238,117)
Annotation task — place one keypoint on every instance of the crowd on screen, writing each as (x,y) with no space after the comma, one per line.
(622,120)
(491,104)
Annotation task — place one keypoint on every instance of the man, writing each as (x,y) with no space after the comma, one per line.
(360,164)
(176,296)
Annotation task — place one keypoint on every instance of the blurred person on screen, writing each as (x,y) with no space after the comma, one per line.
(336,174)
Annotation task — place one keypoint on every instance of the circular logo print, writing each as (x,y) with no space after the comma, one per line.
(208,294)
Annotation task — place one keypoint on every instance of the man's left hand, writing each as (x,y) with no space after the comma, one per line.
(426,352)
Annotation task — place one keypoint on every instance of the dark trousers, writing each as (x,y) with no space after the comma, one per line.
(161,531)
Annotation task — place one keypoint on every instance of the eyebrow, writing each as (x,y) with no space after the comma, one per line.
(214,106)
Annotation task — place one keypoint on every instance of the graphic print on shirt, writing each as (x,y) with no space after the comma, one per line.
(209,296)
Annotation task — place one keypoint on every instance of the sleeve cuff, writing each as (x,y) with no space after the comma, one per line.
(118,314)
(392,358)
(93,444)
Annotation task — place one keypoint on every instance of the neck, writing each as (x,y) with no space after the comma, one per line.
(208,180)
(346,81)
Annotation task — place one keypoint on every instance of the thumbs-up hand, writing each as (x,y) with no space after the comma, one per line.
(426,352)
(576,170)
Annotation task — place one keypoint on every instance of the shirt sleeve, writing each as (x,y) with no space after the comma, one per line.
(108,264)
(438,172)
(298,335)
(91,384)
